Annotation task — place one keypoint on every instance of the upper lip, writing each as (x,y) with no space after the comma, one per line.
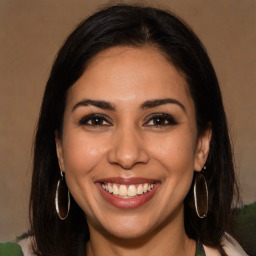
(126,181)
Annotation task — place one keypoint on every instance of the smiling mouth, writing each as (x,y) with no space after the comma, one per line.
(127,191)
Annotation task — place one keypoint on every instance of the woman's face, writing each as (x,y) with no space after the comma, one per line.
(130,146)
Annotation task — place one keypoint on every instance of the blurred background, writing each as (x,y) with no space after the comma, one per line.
(31,33)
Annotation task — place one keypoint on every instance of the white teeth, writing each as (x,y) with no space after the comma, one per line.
(125,191)
(115,189)
(140,190)
(110,189)
(145,187)
(132,191)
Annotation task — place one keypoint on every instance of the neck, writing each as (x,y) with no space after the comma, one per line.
(168,240)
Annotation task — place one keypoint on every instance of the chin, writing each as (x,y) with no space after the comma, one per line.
(129,233)
(125,227)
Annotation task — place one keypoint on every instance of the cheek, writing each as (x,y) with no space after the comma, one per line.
(82,153)
(176,151)
(175,154)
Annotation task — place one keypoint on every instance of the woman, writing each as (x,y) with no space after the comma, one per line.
(132,151)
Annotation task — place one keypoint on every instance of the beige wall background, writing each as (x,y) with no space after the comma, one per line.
(31,33)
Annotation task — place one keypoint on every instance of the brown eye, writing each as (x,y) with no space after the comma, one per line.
(95,120)
(159,120)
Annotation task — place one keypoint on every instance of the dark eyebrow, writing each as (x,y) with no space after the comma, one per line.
(158,102)
(97,103)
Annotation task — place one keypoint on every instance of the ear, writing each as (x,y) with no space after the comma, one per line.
(59,151)
(202,149)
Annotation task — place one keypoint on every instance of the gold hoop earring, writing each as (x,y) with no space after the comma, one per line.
(61,200)
(201,195)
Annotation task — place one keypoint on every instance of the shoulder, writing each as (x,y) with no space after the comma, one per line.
(26,246)
(10,248)
(230,245)
(21,248)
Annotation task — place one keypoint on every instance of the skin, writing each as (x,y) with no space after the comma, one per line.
(129,142)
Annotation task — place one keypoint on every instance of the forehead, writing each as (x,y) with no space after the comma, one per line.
(123,74)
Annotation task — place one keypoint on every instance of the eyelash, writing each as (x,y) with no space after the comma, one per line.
(171,121)
(93,117)
(100,118)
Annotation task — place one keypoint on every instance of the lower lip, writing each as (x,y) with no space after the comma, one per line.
(129,203)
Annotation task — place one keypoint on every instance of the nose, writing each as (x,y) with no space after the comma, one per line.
(128,149)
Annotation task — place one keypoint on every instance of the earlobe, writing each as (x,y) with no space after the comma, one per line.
(202,150)
(59,151)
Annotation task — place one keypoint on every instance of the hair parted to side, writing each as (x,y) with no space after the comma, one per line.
(125,25)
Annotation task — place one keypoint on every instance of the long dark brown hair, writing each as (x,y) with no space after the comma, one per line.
(125,25)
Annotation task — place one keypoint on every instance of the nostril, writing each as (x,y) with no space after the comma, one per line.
(128,149)
(127,159)
(128,163)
